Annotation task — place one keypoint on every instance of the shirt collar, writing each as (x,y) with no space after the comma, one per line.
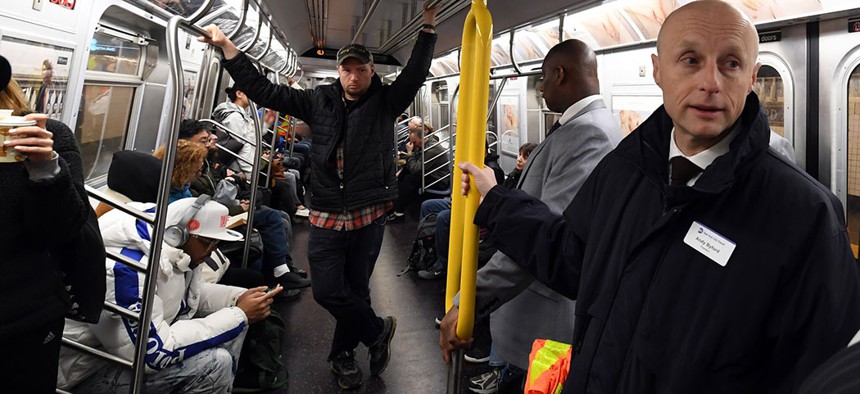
(578,106)
(704,158)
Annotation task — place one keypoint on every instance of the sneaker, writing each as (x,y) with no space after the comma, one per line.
(380,352)
(291,280)
(438,321)
(485,383)
(348,373)
(288,295)
(431,274)
(395,217)
(298,271)
(477,355)
(303,212)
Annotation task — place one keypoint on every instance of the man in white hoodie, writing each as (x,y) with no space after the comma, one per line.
(197,328)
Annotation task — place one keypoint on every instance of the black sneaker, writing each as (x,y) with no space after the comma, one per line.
(477,355)
(292,280)
(298,271)
(380,352)
(395,217)
(485,383)
(288,295)
(438,321)
(348,373)
(431,274)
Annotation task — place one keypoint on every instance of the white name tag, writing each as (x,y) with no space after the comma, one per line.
(710,243)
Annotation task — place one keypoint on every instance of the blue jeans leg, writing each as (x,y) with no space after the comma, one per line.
(434,205)
(443,231)
(341,264)
(276,245)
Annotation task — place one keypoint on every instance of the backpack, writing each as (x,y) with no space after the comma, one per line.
(261,364)
(423,254)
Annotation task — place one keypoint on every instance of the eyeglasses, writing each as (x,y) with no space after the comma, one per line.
(210,243)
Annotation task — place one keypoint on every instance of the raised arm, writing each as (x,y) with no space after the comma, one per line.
(404,88)
(254,84)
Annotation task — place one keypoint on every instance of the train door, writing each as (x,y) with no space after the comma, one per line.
(781,80)
(839,110)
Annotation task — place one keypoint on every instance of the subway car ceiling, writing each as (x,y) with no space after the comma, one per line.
(110,79)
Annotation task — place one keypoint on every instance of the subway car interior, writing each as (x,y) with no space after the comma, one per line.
(123,74)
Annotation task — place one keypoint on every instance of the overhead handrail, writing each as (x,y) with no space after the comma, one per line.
(365,21)
(266,48)
(253,41)
(242,19)
(511,51)
(471,113)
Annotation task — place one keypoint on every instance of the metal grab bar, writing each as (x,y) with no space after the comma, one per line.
(471,113)
(229,131)
(98,353)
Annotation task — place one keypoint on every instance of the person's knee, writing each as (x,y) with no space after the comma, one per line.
(219,367)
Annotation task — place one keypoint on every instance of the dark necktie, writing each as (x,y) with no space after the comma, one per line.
(682,170)
(554,127)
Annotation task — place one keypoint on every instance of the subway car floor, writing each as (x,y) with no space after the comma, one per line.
(416,365)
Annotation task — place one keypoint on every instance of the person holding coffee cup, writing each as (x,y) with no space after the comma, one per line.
(43,209)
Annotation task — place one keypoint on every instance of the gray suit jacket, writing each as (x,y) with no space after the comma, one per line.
(523,309)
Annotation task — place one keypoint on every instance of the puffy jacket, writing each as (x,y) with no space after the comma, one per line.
(238,121)
(653,313)
(188,315)
(366,130)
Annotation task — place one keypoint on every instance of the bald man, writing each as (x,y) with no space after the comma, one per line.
(523,309)
(701,261)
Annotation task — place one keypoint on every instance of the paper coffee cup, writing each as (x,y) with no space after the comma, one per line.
(7,154)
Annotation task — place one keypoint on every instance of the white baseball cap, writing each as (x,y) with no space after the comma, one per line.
(209,222)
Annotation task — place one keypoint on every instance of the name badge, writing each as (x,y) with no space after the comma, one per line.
(709,243)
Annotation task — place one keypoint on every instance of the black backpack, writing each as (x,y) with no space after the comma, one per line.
(261,364)
(423,254)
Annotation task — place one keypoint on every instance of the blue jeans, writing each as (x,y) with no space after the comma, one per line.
(434,205)
(210,371)
(443,231)
(341,265)
(274,233)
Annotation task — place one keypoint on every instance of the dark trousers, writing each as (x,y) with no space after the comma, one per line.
(341,263)
(275,237)
(31,365)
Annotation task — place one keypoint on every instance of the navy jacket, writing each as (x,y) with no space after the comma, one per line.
(366,129)
(655,315)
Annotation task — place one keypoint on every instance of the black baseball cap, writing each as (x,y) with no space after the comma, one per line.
(357,51)
(5,72)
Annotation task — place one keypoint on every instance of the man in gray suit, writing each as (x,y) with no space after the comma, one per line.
(524,309)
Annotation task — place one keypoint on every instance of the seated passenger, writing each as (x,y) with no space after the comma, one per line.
(275,233)
(434,160)
(186,167)
(234,114)
(513,178)
(197,328)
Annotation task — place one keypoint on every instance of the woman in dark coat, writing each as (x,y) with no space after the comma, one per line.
(43,206)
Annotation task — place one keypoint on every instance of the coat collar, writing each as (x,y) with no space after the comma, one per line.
(648,148)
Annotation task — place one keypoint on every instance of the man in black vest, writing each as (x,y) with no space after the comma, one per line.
(353,183)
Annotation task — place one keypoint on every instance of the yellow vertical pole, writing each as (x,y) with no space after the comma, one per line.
(472,124)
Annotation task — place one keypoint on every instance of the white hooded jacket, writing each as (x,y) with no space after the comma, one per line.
(188,315)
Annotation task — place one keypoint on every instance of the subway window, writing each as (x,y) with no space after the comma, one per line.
(103,120)
(112,54)
(771,92)
(42,70)
(853,200)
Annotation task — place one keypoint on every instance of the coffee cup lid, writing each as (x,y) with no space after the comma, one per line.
(16,121)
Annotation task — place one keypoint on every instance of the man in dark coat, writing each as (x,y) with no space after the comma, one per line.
(353,183)
(735,277)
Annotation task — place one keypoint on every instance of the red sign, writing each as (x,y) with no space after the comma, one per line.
(70,4)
